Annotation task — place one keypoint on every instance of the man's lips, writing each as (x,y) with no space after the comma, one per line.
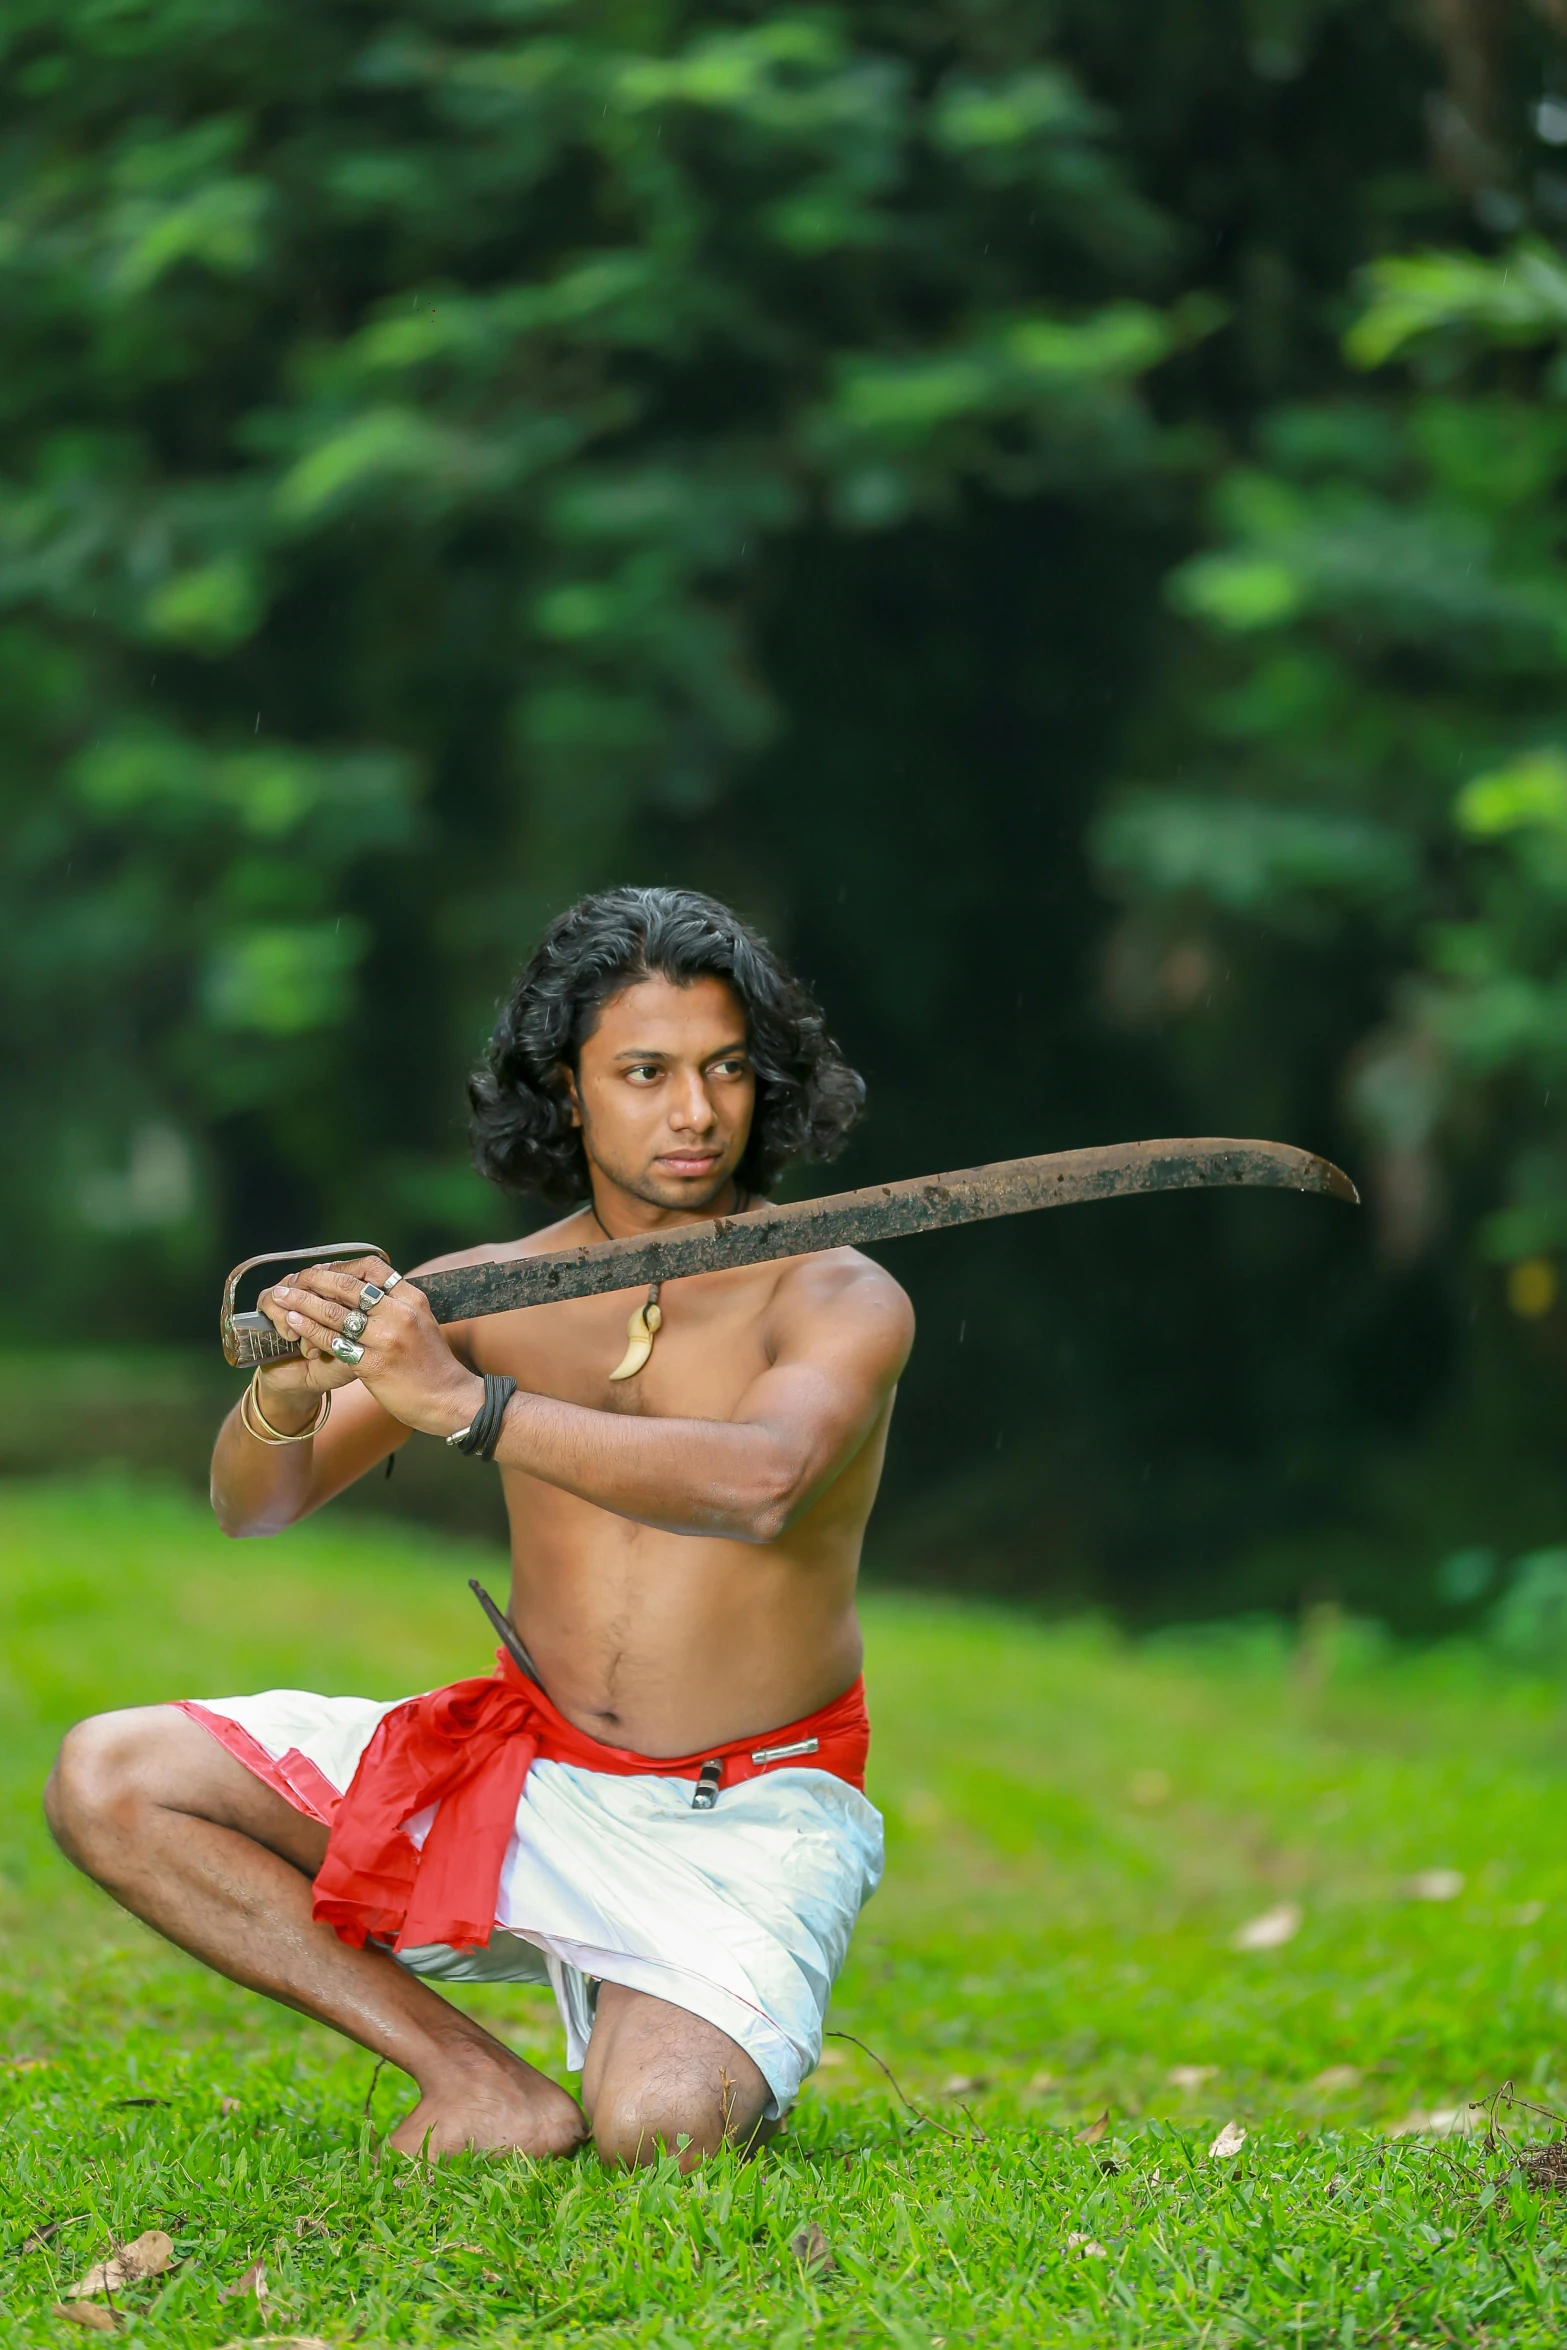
(687,1162)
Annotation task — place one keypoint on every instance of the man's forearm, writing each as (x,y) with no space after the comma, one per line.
(732,1478)
(261,1488)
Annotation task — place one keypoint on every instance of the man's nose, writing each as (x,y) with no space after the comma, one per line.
(691,1108)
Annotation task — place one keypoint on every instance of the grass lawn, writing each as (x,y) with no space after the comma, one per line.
(1078,1830)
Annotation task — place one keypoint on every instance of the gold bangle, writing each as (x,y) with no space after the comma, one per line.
(250,1402)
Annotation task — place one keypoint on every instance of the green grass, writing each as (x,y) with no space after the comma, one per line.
(1077,1827)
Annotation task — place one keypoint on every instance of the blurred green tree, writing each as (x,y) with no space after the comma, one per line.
(1383,731)
(398,414)
(1352,795)
(456,455)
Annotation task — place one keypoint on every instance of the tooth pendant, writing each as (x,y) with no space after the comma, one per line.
(641,1330)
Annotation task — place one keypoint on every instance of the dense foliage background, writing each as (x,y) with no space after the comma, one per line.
(1055,511)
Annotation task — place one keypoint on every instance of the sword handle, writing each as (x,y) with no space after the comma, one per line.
(249,1339)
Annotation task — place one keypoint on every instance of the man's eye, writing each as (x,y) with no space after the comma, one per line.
(643,1072)
(734,1068)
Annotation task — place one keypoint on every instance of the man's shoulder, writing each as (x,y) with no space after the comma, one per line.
(490,1252)
(841,1284)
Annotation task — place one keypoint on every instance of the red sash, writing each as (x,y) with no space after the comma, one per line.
(468,1749)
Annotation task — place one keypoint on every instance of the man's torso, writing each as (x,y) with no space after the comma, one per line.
(663,1641)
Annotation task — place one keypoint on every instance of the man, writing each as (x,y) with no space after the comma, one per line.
(687,1502)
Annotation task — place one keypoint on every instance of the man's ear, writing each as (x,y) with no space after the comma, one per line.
(568,1079)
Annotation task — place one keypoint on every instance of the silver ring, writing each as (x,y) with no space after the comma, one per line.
(370,1296)
(355,1324)
(392,1279)
(346,1351)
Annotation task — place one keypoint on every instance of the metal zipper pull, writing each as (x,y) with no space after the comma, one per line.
(708,1781)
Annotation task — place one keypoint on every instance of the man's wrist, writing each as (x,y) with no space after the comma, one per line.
(286,1410)
(457,1411)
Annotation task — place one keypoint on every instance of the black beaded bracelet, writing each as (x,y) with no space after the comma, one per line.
(479,1439)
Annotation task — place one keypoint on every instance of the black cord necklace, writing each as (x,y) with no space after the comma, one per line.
(646,1323)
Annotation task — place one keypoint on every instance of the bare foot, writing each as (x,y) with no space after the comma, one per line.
(495,2105)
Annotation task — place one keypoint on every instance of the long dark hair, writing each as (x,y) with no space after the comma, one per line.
(807,1096)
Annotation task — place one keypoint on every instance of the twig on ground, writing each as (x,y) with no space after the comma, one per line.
(1393,2320)
(1508,2095)
(919,2115)
(370,2094)
(37,2238)
(1527,2105)
(1545,2167)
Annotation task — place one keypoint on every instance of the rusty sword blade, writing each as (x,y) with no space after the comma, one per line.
(882,1211)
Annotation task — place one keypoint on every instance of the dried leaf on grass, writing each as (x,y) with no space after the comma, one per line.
(811,2248)
(964,2084)
(1091,2132)
(147,2255)
(82,2313)
(253,2281)
(1086,2247)
(1271,1930)
(1338,2076)
(1434,1885)
(279,2342)
(1444,2121)
(1190,2076)
(1229,2142)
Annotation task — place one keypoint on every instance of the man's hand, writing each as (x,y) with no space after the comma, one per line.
(407,1366)
(290,1392)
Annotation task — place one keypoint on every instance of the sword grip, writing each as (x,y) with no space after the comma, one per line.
(249,1339)
(255,1341)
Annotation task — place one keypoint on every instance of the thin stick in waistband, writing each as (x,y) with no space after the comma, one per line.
(506,1633)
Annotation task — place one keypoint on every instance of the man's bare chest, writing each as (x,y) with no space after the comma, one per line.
(711,1346)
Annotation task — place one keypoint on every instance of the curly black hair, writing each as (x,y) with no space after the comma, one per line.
(807,1096)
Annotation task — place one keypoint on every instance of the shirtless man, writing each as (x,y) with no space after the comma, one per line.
(685,1542)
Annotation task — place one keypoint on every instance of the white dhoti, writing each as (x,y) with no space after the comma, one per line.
(741,1913)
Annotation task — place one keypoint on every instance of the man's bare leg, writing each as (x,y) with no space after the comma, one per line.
(656,2073)
(159,1814)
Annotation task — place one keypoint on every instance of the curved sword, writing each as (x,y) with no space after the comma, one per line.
(882,1211)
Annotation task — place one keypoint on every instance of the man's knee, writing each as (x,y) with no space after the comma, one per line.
(637,2122)
(99,1781)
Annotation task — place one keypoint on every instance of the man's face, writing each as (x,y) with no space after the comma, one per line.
(665,1091)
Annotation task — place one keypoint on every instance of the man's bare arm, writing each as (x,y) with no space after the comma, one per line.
(840,1333)
(259,1489)
(262,1488)
(841,1337)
